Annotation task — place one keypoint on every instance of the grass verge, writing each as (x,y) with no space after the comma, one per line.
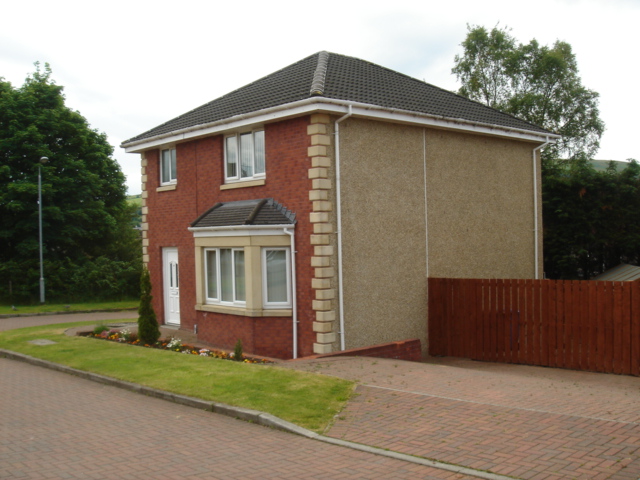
(308,400)
(72,307)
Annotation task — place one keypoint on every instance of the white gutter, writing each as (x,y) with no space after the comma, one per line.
(328,105)
(236,230)
(294,292)
(535,207)
(339,223)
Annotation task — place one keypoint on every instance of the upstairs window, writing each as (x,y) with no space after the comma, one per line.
(168,171)
(244,156)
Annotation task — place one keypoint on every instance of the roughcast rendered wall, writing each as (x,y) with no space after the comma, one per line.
(479,205)
(383,231)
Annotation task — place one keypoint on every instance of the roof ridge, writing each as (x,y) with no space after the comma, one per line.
(320,75)
(254,213)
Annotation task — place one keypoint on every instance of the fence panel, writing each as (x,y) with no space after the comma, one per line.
(634,368)
(581,325)
(593,327)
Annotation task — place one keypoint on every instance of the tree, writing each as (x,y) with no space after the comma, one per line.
(591,219)
(539,84)
(148,330)
(587,215)
(83,192)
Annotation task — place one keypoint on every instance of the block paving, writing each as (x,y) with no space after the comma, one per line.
(513,420)
(526,422)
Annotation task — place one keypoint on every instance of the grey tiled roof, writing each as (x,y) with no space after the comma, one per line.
(263,211)
(343,78)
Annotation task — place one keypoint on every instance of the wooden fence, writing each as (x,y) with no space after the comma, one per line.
(581,325)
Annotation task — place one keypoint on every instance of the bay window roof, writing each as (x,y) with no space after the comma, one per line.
(263,212)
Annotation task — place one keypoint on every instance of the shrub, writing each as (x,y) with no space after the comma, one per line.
(237,351)
(99,329)
(148,330)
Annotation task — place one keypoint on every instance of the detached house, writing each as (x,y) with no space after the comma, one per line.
(304,212)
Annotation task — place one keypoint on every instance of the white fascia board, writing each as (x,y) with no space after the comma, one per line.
(239,230)
(326,105)
(280,112)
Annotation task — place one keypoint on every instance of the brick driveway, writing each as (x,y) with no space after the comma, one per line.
(527,422)
(54,425)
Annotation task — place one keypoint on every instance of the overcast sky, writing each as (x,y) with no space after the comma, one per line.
(128,66)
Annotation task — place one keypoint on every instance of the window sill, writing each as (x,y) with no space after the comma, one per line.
(243,184)
(244,311)
(166,188)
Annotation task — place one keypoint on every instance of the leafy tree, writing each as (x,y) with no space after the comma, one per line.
(591,219)
(534,82)
(148,329)
(85,215)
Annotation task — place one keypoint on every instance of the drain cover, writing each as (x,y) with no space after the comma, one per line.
(42,341)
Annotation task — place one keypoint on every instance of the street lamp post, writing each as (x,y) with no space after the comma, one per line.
(43,160)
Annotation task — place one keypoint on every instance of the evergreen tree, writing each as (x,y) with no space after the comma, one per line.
(148,329)
(591,219)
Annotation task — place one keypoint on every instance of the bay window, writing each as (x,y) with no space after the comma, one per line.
(244,259)
(225,276)
(244,275)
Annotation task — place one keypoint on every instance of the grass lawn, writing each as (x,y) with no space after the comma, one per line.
(306,399)
(73,307)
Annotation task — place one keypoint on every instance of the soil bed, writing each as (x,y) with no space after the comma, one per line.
(124,335)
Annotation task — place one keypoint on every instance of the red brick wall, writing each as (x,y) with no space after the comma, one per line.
(200,172)
(264,336)
(405,350)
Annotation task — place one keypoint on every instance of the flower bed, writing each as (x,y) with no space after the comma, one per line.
(172,344)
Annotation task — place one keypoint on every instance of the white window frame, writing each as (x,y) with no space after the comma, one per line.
(238,177)
(173,167)
(265,295)
(218,299)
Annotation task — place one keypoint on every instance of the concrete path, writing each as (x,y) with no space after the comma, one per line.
(526,422)
(36,320)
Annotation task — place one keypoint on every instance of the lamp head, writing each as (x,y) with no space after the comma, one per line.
(44,160)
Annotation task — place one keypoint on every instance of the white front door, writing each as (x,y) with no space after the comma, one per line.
(171,279)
